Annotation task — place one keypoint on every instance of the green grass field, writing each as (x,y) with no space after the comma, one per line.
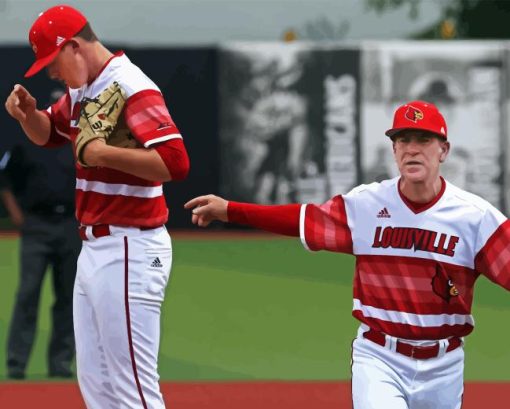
(255,309)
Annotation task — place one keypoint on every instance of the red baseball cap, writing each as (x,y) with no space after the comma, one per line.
(418,115)
(50,32)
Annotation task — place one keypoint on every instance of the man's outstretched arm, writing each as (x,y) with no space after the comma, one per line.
(279,219)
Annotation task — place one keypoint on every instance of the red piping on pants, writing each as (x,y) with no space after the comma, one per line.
(128,322)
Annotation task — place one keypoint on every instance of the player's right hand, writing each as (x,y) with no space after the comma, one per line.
(207,209)
(20,103)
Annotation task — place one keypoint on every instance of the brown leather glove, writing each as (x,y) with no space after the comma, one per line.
(98,118)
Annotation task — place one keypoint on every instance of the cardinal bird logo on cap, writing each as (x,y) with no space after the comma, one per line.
(442,285)
(414,114)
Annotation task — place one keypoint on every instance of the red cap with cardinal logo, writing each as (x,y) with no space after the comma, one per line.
(418,115)
(50,32)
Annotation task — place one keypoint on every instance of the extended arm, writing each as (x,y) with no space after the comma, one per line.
(279,219)
(321,227)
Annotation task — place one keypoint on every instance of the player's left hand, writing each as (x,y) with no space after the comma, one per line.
(207,209)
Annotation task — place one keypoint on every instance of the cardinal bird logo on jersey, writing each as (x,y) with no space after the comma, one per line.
(414,114)
(442,285)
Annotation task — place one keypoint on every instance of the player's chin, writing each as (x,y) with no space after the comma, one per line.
(75,83)
(414,174)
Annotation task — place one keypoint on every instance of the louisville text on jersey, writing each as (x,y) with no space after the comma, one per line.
(417,239)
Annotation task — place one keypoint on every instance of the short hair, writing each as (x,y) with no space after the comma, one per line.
(87,34)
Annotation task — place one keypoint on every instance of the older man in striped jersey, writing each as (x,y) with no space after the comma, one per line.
(420,244)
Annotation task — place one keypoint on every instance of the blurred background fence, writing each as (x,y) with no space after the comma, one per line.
(276,122)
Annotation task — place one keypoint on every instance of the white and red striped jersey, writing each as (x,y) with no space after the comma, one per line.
(415,269)
(104,195)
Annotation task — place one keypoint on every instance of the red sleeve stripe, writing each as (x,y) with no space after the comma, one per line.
(147,113)
(143,94)
(493,260)
(325,227)
(147,116)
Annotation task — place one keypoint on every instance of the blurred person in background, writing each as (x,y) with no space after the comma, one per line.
(420,244)
(37,189)
(277,120)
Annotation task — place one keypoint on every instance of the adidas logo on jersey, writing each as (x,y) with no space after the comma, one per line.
(384,214)
(156,263)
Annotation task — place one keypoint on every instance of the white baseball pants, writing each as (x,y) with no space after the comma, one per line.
(383,378)
(120,286)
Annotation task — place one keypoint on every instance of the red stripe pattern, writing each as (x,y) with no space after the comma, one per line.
(60,116)
(148,118)
(493,260)
(149,121)
(415,286)
(326,227)
(413,282)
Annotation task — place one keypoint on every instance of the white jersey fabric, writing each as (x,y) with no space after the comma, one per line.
(416,266)
(415,269)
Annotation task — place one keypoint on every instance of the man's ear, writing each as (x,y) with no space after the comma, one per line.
(444,149)
(74,43)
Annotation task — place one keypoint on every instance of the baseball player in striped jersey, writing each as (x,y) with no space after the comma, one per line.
(420,244)
(125,262)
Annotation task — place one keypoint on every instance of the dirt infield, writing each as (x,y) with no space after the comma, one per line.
(234,395)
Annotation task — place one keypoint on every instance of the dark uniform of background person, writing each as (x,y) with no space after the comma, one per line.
(37,187)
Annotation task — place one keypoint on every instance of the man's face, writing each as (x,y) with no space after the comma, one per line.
(69,66)
(418,155)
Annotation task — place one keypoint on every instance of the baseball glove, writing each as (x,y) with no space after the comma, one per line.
(98,117)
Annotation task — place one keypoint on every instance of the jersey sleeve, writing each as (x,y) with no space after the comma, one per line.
(325,227)
(60,116)
(148,118)
(493,258)
(279,219)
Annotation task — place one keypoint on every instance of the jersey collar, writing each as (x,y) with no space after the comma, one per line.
(116,54)
(421,207)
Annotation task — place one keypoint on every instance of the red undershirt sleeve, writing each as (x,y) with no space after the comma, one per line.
(279,219)
(175,157)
